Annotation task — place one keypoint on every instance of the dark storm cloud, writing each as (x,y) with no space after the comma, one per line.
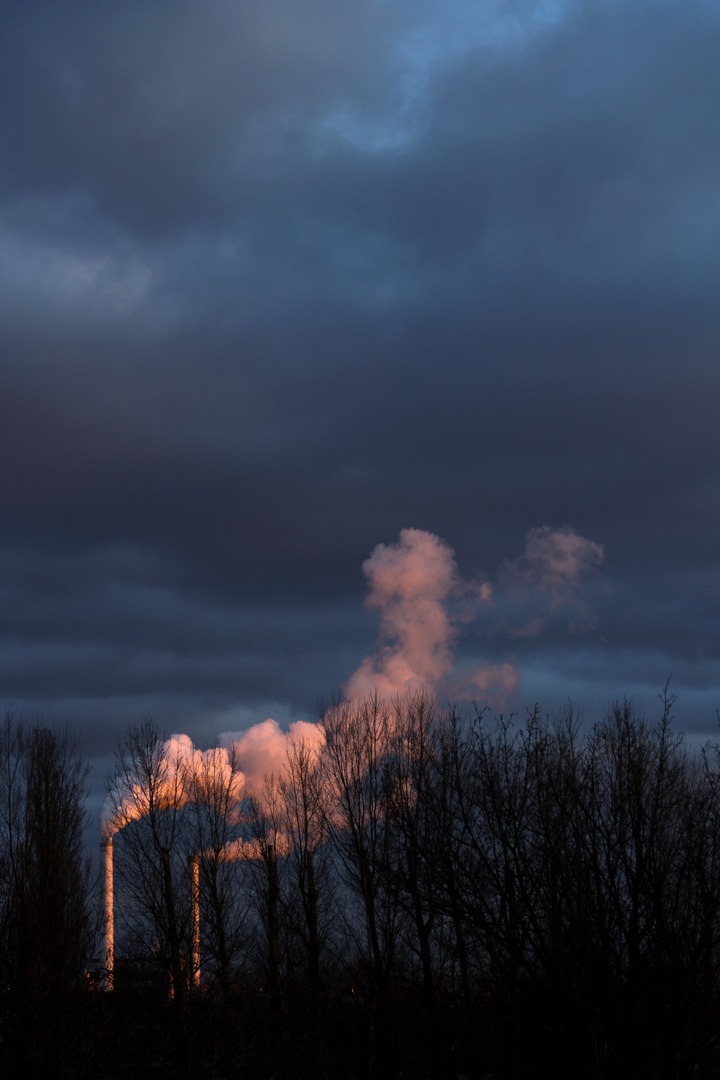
(279,280)
(155,112)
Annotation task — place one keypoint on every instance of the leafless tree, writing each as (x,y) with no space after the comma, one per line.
(309,892)
(356,763)
(46,922)
(215,828)
(147,802)
(418,847)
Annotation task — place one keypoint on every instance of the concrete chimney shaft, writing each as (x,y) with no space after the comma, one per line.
(194,871)
(109,958)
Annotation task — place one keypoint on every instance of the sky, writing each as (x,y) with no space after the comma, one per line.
(357,344)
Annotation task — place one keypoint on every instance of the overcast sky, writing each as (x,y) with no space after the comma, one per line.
(284,281)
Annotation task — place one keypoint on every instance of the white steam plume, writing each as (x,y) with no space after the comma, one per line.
(179,767)
(181,770)
(551,569)
(422,599)
(263,748)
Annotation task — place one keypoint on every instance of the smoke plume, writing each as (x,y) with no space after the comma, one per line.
(548,575)
(263,748)
(416,587)
(422,602)
(240,762)
(178,768)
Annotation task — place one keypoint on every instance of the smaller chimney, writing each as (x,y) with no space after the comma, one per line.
(106,847)
(194,872)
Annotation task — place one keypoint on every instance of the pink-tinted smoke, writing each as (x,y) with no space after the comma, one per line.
(553,566)
(422,601)
(181,769)
(416,587)
(178,769)
(263,749)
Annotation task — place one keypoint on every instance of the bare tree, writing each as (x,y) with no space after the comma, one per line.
(417,845)
(265,819)
(46,924)
(586,874)
(356,757)
(305,808)
(216,826)
(147,805)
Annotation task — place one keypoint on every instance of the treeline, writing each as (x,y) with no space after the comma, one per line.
(421,894)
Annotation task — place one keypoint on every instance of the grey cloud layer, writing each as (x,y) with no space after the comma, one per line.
(279,280)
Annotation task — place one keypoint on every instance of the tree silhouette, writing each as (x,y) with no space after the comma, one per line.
(46,921)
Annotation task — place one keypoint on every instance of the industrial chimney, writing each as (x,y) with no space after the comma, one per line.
(106,847)
(194,873)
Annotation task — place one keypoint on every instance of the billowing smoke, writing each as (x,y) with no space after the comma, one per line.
(177,770)
(422,602)
(416,586)
(493,681)
(180,770)
(549,573)
(263,748)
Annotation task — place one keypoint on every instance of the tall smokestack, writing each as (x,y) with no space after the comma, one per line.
(194,871)
(109,958)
